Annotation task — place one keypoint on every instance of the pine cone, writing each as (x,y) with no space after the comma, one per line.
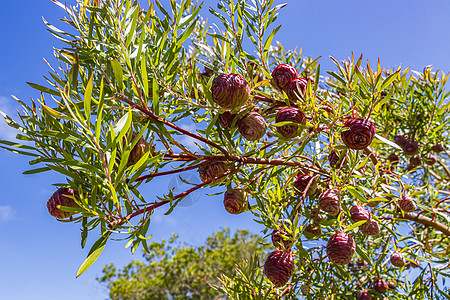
(283,75)
(296,89)
(380,286)
(312,231)
(302,182)
(340,248)
(62,197)
(329,201)
(359,213)
(407,204)
(415,161)
(360,134)
(212,170)
(397,260)
(437,148)
(226,119)
(279,267)
(281,242)
(372,228)
(400,139)
(290,114)
(230,91)
(235,202)
(410,147)
(252,126)
(364,296)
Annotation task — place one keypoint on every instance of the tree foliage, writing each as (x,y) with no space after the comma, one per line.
(130,79)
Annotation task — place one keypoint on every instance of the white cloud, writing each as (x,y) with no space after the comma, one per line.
(6,213)
(6,106)
(189,142)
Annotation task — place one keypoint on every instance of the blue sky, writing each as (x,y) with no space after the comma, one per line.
(39,256)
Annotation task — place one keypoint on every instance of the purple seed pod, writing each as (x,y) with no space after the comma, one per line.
(400,139)
(281,242)
(380,286)
(305,289)
(333,158)
(62,197)
(397,260)
(138,150)
(316,217)
(431,159)
(359,135)
(392,285)
(340,248)
(283,75)
(213,170)
(226,119)
(230,91)
(302,182)
(364,296)
(296,88)
(252,126)
(372,228)
(410,147)
(407,204)
(437,148)
(393,158)
(312,231)
(359,213)
(415,161)
(279,267)
(330,202)
(290,114)
(235,202)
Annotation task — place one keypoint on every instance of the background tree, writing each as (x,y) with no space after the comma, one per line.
(347,171)
(173,270)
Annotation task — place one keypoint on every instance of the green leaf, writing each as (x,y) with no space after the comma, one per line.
(43,89)
(94,253)
(118,73)
(386,141)
(87,99)
(363,254)
(35,171)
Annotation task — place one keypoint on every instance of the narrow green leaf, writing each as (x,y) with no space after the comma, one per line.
(118,73)
(87,99)
(363,254)
(43,89)
(94,253)
(35,171)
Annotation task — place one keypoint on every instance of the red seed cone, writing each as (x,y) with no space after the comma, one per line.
(226,119)
(312,231)
(212,170)
(393,158)
(283,75)
(296,89)
(372,228)
(360,134)
(410,147)
(315,216)
(415,161)
(359,213)
(252,126)
(364,296)
(330,202)
(281,240)
(290,114)
(380,286)
(279,267)
(340,248)
(437,148)
(431,159)
(333,158)
(407,204)
(235,202)
(305,289)
(138,150)
(230,91)
(61,198)
(302,182)
(397,260)
(392,285)
(400,139)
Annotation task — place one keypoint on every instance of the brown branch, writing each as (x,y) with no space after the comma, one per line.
(444,167)
(172,171)
(425,221)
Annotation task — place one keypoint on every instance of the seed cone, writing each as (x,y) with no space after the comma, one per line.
(333,158)
(302,182)
(410,147)
(315,216)
(296,88)
(61,198)
(235,202)
(393,158)
(397,260)
(415,161)
(283,75)
(431,159)
(305,289)
(281,242)
(400,139)
(364,296)
(360,134)
(279,267)
(437,148)
(312,231)
(329,201)
(340,248)
(230,91)
(380,286)
(407,204)
(290,114)
(252,126)
(138,150)
(372,228)
(212,170)
(226,119)
(359,213)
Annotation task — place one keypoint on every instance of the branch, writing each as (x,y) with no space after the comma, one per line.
(425,221)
